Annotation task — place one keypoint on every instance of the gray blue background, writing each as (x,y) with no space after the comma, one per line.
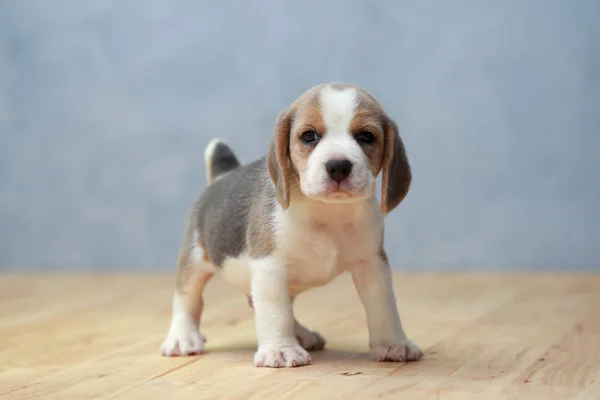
(106,107)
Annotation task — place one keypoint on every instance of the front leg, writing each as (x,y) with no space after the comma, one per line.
(274,318)
(387,339)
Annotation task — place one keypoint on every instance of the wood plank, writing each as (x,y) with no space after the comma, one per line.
(493,336)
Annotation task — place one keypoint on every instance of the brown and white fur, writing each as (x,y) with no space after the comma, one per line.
(296,219)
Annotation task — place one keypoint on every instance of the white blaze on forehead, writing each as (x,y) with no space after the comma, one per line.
(337,108)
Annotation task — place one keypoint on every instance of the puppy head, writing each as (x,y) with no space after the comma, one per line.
(332,143)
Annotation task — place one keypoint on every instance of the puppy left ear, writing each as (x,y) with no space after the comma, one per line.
(278,158)
(397,175)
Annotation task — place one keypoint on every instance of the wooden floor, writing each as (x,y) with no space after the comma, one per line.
(484,336)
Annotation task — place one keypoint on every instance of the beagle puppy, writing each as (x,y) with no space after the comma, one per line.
(296,219)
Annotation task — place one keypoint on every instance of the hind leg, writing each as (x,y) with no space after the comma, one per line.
(193,274)
(309,340)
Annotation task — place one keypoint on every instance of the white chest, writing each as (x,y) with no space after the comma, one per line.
(315,247)
(318,250)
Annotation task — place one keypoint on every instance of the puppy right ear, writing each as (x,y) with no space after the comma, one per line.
(278,158)
(397,175)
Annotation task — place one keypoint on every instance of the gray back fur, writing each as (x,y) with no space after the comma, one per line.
(232,214)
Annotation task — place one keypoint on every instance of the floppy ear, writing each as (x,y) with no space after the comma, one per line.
(396,169)
(278,158)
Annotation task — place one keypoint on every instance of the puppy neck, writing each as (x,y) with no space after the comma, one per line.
(318,212)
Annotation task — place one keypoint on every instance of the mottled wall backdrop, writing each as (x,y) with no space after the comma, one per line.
(106,106)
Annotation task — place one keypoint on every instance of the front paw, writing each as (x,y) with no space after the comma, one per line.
(288,356)
(183,340)
(397,351)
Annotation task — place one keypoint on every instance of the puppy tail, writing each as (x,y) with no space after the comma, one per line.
(219,159)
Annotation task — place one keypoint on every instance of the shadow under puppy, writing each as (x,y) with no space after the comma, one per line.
(295,220)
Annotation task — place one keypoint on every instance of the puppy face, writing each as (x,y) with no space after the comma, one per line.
(332,143)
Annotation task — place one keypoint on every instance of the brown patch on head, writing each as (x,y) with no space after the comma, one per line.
(370,117)
(387,154)
(287,157)
(306,117)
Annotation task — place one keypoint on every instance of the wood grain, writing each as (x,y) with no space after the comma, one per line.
(490,336)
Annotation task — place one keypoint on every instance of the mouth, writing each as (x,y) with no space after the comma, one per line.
(335,192)
(331,191)
(340,193)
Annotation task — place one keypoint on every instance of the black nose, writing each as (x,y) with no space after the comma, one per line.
(338,170)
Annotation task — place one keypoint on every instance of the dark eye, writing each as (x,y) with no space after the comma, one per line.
(309,137)
(365,138)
